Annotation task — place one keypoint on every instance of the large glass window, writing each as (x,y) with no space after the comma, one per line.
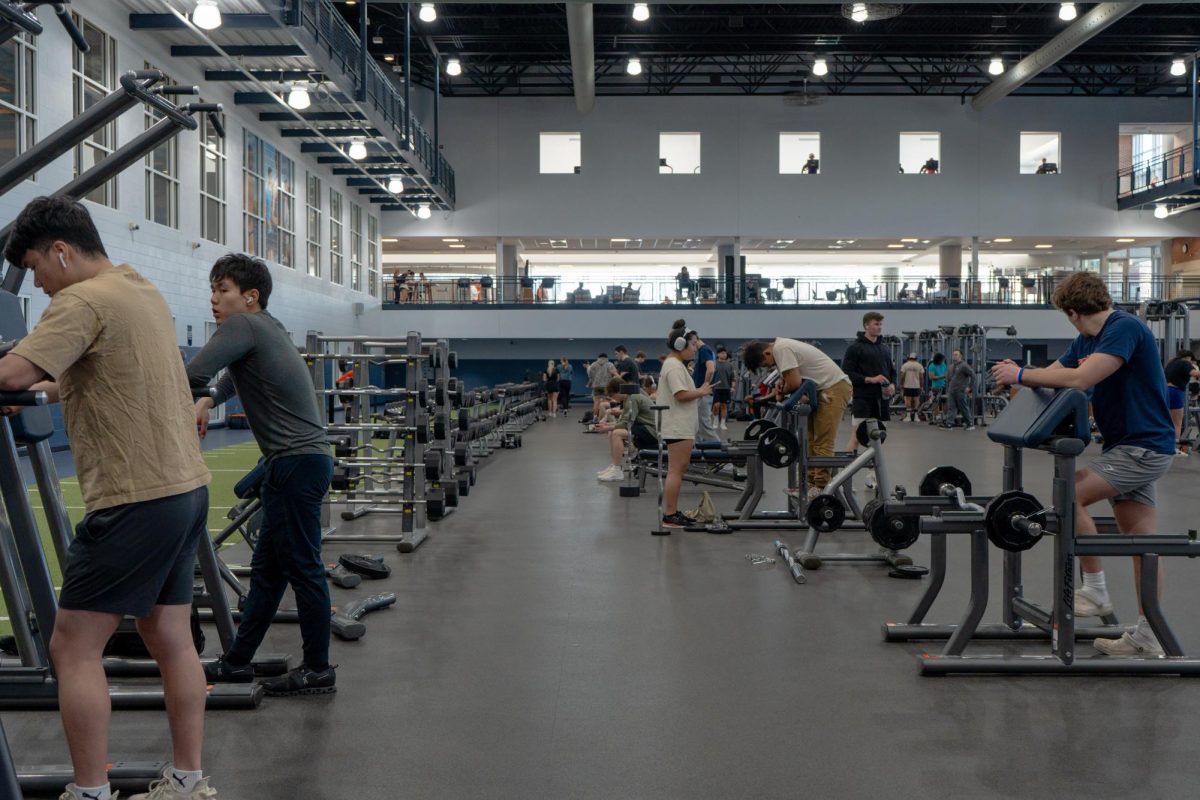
(799,153)
(212,181)
(1040,153)
(93,76)
(18,92)
(162,172)
(561,152)
(679,153)
(269,202)
(921,153)
(335,236)
(313,226)
(356,247)
(373,255)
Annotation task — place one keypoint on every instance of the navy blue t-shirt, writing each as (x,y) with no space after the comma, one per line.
(703,356)
(1130,406)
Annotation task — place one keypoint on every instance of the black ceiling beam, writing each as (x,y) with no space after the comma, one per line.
(166,22)
(311,116)
(367,160)
(326,147)
(249,50)
(268,98)
(309,133)
(263,75)
(400,169)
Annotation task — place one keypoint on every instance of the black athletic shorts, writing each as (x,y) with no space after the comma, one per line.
(870,408)
(912,392)
(643,439)
(127,559)
(721,394)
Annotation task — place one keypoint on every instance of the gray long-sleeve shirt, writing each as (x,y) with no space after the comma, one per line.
(961,376)
(267,372)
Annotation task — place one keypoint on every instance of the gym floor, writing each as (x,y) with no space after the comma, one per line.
(545,645)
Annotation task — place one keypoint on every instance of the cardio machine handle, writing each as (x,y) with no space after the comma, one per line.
(23,399)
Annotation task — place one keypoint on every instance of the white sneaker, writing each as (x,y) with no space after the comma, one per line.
(1130,644)
(1088,605)
(612,474)
(869,479)
(165,789)
(725,427)
(970,427)
(1180,454)
(72,793)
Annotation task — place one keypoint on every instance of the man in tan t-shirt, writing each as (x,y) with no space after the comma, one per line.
(912,377)
(106,348)
(797,361)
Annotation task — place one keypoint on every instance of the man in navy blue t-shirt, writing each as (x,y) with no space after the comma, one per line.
(1116,357)
(706,365)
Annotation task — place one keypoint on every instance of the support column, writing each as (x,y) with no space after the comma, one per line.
(950,270)
(731,269)
(508,264)
(974,292)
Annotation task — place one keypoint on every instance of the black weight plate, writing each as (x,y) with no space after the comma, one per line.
(439,429)
(461,456)
(997,520)
(778,448)
(758,428)
(890,532)
(863,438)
(908,573)
(825,513)
(934,479)
(433,465)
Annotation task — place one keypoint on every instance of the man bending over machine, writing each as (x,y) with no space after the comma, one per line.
(636,421)
(1116,355)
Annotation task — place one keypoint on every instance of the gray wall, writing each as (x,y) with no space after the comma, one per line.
(493,145)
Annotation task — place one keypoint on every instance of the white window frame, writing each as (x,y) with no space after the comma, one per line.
(546,138)
(356,243)
(107,194)
(287,212)
(312,191)
(899,146)
(24,103)
(336,237)
(252,190)
(169,170)
(212,149)
(373,255)
(814,149)
(675,169)
(1057,160)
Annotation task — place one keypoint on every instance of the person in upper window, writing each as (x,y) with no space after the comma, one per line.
(812,166)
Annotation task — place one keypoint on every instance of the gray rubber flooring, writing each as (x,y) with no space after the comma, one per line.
(546,646)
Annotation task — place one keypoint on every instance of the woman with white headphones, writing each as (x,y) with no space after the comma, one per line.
(677,391)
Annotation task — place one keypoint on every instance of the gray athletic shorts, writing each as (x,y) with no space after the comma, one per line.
(1132,471)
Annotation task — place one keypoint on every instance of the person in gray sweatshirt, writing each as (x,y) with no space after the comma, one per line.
(961,377)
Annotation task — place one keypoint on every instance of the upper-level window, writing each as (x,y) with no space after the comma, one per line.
(561,153)
(679,153)
(18,91)
(162,171)
(336,231)
(373,255)
(212,181)
(93,76)
(1040,153)
(799,153)
(268,202)
(313,226)
(356,247)
(921,153)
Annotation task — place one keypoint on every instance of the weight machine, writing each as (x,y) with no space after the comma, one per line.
(1169,320)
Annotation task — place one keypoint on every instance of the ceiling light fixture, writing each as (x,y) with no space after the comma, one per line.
(859,13)
(1161,211)
(458,246)
(395,185)
(298,97)
(1001,239)
(1125,241)
(454,67)
(423,211)
(996,66)
(819,67)
(428,12)
(1178,67)
(451,241)
(634,66)
(895,246)
(206,15)
(358,150)
(913,241)
(1067,12)
(389,58)
(1043,246)
(641,11)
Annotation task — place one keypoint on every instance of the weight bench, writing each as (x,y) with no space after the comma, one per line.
(707,458)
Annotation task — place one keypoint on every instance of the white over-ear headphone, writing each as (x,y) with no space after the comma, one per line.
(680,343)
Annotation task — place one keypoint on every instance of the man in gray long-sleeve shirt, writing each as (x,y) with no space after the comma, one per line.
(961,376)
(267,372)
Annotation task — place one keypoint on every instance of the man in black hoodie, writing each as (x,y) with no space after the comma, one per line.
(870,369)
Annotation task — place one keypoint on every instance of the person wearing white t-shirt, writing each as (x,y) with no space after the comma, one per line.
(679,420)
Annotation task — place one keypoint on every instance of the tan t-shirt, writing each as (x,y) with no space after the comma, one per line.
(110,343)
(679,419)
(812,363)
(911,374)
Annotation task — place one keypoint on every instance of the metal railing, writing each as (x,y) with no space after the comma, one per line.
(341,43)
(1158,170)
(801,290)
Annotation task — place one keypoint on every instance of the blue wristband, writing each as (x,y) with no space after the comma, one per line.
(1020,372)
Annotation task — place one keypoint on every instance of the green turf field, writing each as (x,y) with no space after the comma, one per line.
(228,465)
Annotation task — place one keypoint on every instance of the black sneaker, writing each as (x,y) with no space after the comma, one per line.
(301,680)
(676,520)
(221,671)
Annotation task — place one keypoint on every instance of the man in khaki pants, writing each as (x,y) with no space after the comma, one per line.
(795,362)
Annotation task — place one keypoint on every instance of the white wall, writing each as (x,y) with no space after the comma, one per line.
(166,255)
(493,146)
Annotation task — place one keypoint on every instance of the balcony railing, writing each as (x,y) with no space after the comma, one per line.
(810,291)
(1159,170)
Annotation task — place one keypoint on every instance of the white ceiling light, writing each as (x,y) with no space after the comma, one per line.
(395,185)
(1178,67)
(428,13)
(996,66)
(453,67)
(298,97)
(423,211)
(1067,12)
(206,15)
(1002,239)
(634,66)
(641,11)
(859,13)
(1043,246)
(358,150)
(820,67)
(1161,211)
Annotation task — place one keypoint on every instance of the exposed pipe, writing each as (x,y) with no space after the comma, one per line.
(408,145)
(1053,51)
(580,34)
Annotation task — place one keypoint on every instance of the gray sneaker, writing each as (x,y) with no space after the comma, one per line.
(167,788)
(1130,644)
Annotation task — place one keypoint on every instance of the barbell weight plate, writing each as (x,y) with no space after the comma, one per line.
(825,513)
(933,481)
(461,456)
(997,520)
(778,448)
(890,532)
(864,438)
(758,427)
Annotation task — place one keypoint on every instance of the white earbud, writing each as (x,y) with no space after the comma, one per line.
(247,301)
(62,261)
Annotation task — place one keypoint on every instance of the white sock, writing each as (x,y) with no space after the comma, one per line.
(185,781)
(93,792)
(1142,630)
(1096,585)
